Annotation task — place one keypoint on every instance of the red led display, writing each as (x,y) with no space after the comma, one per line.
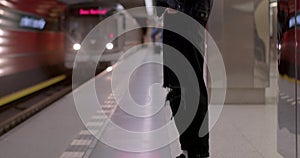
(93,11)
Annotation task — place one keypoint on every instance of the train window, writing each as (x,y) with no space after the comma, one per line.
(26,21)
(31,22)
(292,21)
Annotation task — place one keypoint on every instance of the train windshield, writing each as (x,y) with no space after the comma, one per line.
(80,20)
(292,21)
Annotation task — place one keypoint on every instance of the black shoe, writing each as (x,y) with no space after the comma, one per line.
(181,156)
(195,155)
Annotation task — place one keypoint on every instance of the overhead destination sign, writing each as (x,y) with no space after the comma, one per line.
(93,11)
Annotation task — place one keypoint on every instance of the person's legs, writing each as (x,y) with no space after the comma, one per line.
(189,138)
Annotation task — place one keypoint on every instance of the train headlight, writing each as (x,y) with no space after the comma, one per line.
(76,46)
(109,46)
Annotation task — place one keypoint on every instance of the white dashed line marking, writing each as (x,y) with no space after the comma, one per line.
(85,132)
(94,124)
(100,112)
(72,155)
(108,102)
(99,117)
(81,142)
(111,97)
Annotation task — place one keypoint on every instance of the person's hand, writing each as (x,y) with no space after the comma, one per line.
(172,11)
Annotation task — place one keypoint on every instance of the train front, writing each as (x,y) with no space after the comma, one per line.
(80,19)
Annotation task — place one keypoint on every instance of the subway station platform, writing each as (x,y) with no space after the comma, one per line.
(246,131)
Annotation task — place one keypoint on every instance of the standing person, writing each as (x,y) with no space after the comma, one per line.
(196,146)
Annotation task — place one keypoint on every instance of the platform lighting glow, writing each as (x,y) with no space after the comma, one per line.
(273,4)
(1,32)
(120,7)
(279,46)
(149,7)
(2,61)
(109,69)
(2,40)
(109,46)
(7,4)
(76,46)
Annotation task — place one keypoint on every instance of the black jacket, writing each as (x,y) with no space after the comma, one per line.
(178,42)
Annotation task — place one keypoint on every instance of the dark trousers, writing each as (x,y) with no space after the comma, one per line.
(189,138)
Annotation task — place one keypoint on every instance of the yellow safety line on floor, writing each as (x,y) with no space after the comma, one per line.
(290,79)
(30,90)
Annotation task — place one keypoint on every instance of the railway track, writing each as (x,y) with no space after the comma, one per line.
(18,111)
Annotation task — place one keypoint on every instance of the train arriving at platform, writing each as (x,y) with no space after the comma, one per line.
(81,18)
(31,46)
(39,41)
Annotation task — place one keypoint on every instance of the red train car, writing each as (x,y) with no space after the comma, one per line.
(289,23)
(31,44)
